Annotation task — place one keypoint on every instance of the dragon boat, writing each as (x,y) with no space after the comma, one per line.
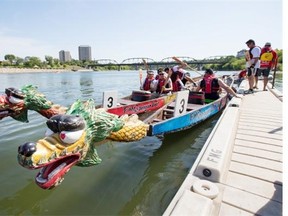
(71,137)
(186,112)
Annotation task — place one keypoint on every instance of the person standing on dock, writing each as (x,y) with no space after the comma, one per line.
(254,63)
(268,59)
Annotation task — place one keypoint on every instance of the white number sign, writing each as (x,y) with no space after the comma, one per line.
(109,99)
(181,102)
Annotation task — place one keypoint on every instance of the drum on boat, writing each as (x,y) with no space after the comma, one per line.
(196,97)
(139,95)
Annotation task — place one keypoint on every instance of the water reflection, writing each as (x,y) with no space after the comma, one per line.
(25,201)
(86,85)
(168,164)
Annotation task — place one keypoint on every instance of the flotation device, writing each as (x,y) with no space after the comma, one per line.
(210,87)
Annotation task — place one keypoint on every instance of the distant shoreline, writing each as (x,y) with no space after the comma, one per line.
(30,70)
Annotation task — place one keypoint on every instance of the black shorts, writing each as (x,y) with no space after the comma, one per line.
(253,71)
(264,72)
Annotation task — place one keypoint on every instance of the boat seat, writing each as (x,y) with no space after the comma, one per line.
(168,110)
(156,120)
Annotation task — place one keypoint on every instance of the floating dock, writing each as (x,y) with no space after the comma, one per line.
(239,169)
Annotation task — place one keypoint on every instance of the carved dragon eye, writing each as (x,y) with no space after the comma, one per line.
(14,100)
(70,137)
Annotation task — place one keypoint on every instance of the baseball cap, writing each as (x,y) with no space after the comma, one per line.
(268,44)
(150,72)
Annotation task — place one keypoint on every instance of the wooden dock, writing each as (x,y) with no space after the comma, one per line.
(239,170)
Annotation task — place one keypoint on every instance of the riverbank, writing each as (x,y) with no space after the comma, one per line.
(31,70)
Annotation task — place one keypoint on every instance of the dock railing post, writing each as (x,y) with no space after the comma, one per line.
(274,74)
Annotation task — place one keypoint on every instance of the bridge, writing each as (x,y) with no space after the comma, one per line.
(137,62)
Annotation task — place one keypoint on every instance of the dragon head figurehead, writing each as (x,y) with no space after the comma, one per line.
(16,103)
(69,141)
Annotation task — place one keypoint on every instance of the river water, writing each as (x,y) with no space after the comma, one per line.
(136,178)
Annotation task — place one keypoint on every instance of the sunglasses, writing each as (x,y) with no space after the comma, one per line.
(160,74)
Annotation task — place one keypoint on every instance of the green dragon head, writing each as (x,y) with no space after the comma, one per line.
(16,103)
(69,141)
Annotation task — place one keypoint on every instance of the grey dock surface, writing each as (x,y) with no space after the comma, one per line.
(239,170)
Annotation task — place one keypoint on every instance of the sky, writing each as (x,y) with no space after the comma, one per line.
(121,29)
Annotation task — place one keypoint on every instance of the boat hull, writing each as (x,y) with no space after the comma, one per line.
(189,119)
(144,106)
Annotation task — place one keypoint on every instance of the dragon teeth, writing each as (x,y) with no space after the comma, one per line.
(42,180)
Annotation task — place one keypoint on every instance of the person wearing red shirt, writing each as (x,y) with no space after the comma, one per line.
(268,59)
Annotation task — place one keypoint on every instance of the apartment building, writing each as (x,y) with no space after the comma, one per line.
(84,53)
(64,56)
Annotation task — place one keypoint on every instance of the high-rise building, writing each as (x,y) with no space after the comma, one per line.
(84,53)
(64,56)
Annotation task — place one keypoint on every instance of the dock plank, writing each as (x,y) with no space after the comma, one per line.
(256,161)
(259,139)
(227,210)
(256,172)
(257,145)
(258,153)
(255,186)
(251,202)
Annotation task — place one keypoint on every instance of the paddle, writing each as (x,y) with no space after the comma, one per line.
(186,65)
(166,81)
(140,78)
(145,64)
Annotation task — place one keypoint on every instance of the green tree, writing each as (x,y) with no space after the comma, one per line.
(10,58)
(49,60)
(33,62)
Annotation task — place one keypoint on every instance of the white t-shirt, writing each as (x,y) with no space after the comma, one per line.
(256,51)
(177,68)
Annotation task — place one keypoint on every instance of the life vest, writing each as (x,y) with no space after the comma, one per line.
(267,58)
(210,87)
(250,51)
(147,83)
(242,74)
(175,76)
(160,85)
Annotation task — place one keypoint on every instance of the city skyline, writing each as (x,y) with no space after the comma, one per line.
(122,29)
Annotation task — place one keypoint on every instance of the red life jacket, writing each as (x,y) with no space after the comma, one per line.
(147,83)
(210,86)
(242,74)
(160,85)
(175,76)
